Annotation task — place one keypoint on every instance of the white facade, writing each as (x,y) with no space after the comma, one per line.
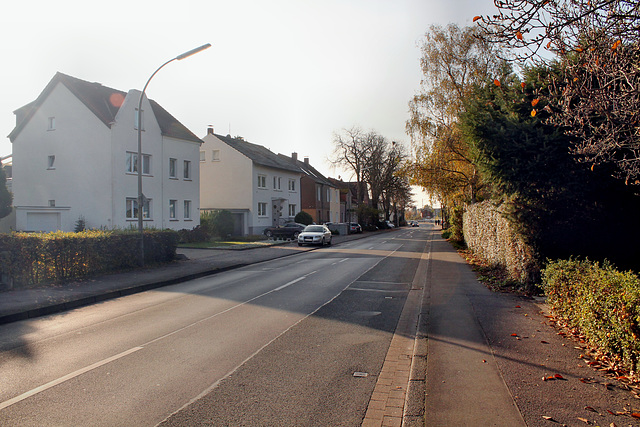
(334,204)
(68,164)
(258,196)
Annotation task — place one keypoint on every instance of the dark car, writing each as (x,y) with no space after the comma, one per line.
(288,231)
(354,227)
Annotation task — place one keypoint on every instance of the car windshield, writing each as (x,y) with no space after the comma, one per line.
(314,229)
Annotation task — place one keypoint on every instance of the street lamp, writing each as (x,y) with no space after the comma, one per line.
(139,160)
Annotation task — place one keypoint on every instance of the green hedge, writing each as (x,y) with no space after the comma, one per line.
(603,304)
(35,258)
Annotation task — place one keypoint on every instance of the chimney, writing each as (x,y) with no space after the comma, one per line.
(210,130)
(294,156)
(306,161)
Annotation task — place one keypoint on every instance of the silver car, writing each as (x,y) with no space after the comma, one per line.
(315,235)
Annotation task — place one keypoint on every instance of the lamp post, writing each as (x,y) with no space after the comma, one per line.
(139,160)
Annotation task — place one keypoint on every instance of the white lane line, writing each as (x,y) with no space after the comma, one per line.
(67,377)
(103,362)
(279,288)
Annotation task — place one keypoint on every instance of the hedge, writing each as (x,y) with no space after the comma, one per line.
(36,258)
(601,303)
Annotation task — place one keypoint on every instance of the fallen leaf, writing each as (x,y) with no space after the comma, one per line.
(535,102)
(517,306)
(635,415)
(522,85)
(496,82)
(514,335)
(584,420)
(519,35)
(533,113)
(549,418)
(612,413)
(544,342)
(558,376)
(475,18)
(615,45)
(589,408)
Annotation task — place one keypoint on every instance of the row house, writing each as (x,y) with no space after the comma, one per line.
(75,151)
(319,197)
(259,187)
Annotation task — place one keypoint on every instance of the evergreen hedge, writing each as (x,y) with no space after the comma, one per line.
(601,303)
(36,258)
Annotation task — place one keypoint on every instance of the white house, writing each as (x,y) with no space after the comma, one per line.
(75,156)
(258,187)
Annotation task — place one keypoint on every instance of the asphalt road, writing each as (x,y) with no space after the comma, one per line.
(276,343)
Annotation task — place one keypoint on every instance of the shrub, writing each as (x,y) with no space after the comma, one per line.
(600,302)
(36,258)
(303,217)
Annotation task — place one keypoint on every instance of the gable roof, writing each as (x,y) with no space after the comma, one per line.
(308,170)
(258,154)
(102,101)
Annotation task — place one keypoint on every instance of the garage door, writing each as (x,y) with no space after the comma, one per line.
(43,221)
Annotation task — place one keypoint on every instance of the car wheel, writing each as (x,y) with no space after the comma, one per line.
(296,234)
(329,244)
(299,244)
(268,233)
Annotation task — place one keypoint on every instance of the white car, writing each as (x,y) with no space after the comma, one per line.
(315,235)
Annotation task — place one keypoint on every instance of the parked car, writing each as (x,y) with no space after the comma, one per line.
(288,231)
(414,224)
(315,235)
(390,224)
(354,227)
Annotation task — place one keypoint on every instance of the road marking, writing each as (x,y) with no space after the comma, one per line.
(67,377)
(279,288)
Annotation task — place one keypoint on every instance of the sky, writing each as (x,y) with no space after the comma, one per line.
(284,74)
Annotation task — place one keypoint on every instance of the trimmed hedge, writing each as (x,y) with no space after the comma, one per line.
(36,258)
(489,235)
(601,303)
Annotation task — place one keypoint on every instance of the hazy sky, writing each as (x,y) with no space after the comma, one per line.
(285,74)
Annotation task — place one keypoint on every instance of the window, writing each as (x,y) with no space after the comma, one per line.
(137,120)
(173,168)
(319,192)
(328,194)
(132,208)
(187,169)
(132,163)
(172,208)
(50,162)
(51,123)
(277,182)
(215,155)
(52,203)
(292,185)
(262,181)
(292,210)
(187,209)
(202,156)
(262,209)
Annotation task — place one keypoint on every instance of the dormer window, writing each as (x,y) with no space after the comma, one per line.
(51,160)
(51,123)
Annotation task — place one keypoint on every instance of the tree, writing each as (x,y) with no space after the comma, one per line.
(6,198)
(561,207)
(596,98)
(376,162)
(453,59)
